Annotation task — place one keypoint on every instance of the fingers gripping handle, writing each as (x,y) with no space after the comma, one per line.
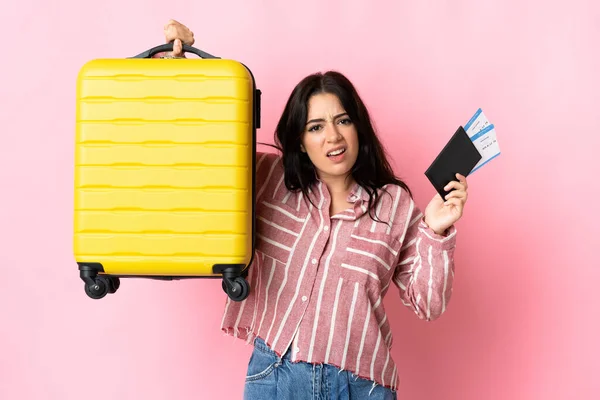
(169,47)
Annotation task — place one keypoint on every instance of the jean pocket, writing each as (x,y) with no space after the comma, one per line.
(261,366)
(364,388)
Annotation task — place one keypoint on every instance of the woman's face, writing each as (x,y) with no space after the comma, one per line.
(330,138)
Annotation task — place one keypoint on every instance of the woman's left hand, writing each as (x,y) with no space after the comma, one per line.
(441,215)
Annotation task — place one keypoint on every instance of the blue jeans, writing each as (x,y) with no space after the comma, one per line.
(273,377)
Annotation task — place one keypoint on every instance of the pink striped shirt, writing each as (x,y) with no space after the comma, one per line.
(318,280)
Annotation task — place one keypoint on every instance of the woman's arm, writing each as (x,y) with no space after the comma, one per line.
(425,270)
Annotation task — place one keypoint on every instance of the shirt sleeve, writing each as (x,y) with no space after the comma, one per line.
(268,168)
(424,273)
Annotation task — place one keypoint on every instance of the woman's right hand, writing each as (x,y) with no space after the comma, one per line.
(179,34)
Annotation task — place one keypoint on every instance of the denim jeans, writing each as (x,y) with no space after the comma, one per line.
(272,377)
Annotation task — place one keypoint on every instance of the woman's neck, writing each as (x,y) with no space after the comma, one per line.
(338,185)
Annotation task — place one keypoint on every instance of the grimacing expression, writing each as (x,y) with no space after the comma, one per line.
(330,138)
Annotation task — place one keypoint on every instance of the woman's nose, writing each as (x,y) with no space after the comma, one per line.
(333,134)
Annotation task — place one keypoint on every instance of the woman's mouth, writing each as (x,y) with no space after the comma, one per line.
(337,155)
(336,152)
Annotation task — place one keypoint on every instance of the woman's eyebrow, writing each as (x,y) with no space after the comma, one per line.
(322,119)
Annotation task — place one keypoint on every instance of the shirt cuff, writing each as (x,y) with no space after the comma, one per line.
(447,239)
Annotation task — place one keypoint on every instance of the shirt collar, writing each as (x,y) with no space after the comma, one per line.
(320,196)
(357,194)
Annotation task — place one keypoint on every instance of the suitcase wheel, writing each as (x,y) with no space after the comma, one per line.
(237,288)
(102,286)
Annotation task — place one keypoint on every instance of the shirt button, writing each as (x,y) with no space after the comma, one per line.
(326,228)
(297,350)
(314,260)
(304,298)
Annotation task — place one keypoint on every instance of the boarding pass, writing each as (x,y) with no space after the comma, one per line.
(483,136)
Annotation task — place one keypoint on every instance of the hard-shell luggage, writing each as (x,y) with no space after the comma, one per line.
(164,170)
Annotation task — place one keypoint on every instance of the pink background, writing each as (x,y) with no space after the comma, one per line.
(523,322)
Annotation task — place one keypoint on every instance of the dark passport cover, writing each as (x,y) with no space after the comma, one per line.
(459,156)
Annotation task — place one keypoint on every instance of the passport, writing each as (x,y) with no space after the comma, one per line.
(459,156)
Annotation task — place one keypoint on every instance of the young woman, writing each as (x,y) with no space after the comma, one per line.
(335,229)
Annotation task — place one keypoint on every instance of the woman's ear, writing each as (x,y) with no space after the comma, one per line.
(302,148)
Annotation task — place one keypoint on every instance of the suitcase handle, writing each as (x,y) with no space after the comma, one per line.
(169,47)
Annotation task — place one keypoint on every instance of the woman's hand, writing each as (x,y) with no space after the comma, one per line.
(441,215)
(179,34)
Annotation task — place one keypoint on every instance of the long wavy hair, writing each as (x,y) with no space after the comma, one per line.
(371,169)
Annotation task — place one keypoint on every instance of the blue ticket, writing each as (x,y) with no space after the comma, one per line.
(483,136)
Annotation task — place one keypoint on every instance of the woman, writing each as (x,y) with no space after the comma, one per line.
(335,228)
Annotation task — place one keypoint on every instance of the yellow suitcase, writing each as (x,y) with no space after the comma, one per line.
(164,170)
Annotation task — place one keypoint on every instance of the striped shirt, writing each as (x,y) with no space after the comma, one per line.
(318,280)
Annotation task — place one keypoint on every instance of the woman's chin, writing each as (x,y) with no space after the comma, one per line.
(337,171)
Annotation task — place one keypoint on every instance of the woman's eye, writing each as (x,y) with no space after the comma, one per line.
(314,128)
(345,121)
